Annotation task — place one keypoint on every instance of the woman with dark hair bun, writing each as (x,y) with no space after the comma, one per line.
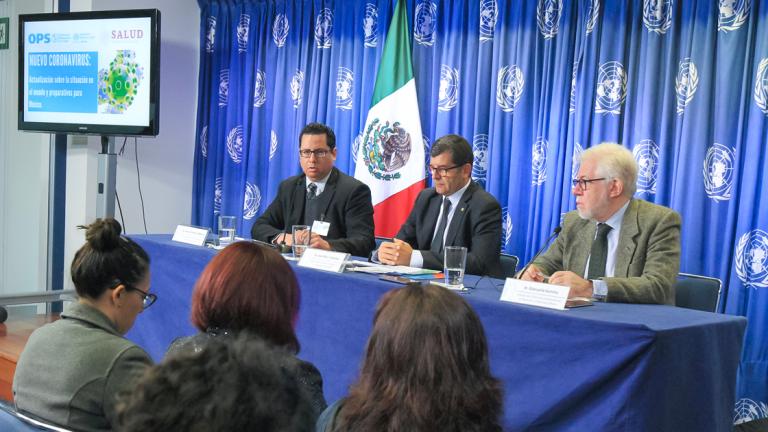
(248,287)
(425,369)
(72,370)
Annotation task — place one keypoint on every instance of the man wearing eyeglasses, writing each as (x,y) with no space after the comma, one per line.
(337,207)
(456,211)
(613,247)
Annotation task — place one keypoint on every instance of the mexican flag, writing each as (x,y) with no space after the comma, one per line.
(391,156)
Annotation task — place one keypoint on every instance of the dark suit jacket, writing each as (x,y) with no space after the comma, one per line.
(345,203)
(647,256)
(476,224)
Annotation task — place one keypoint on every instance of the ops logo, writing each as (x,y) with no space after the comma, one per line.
(36,38)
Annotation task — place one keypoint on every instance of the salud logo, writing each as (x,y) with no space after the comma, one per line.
(548,17)
(509,87)
(686,83)
(235,144)
(539,161)
(324,29)
(489,13)
(449,88)
(611,88)
(386,149)
(345,86)
(371,26)
(259,89)
(280,30)
(210,34)
(480,164)
(218,193)
(204,141)
(732,14)
(242,33)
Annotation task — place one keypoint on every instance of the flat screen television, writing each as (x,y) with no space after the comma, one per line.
(90,72)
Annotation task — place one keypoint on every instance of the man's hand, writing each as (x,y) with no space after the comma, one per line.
(396,252)
(284,238)
(318,242)
(580,287)
(533,274)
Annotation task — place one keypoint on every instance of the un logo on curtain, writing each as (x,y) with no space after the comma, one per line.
(297,88)
(449,88)
(345,84)
(218,193)
(646,154)
(280,30)
(272,144)
(761,86)
(223,87)
(752,259)
(718,172)
(489,12)
(593,13)
(210,34)
(204,141)
(657,15)
(732,14)
(509,87)
(548,17)
(251,201)
(576,159)
(611,88)
(686,83)
(747,410)
(324,29)
(371,26)
(260,89)
(539,162)
(235,144)
(242,33)
(506,228)
(480,165)
(424,23)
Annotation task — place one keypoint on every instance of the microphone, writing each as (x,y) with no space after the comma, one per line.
(554,234)
(266,244)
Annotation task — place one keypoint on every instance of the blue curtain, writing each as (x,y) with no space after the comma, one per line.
(531,84)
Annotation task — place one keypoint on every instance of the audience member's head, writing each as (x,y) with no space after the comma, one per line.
(239,384)
(111,272)
(425,368)
(248,287)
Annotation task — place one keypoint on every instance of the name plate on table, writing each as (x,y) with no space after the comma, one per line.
(320,259)
(535,294)
(190,235)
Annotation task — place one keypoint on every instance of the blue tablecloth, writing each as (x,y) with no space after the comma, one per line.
(605,367)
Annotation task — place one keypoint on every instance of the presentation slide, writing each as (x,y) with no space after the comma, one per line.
(88,71)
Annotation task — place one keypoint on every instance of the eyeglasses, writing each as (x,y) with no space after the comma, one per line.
(148,299)
(306,154)
(582,182)
(442,171)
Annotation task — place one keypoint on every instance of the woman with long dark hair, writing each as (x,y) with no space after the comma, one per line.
(72,370)
(248,287)
(425,369)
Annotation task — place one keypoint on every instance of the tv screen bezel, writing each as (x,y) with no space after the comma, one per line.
(152,129)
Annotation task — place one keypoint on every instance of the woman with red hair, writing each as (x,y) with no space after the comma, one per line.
(251,288)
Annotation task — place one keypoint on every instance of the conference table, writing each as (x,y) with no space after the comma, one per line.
(600,368)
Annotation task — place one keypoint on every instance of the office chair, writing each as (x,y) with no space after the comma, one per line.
(13,421)
(509,265)
(697,292)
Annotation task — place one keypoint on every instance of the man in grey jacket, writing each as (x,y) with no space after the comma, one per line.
(613,247)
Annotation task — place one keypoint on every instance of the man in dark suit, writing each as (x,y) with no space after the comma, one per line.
(455,212)
(613,247)
(323,194)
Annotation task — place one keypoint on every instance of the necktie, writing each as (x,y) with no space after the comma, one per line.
(311,191)
(437,240)
(599,252)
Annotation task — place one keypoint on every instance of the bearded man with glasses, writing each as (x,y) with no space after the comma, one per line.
(455,211)
(613,247)
(337,207)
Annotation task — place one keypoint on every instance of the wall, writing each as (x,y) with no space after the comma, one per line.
(23,174)
(165,162)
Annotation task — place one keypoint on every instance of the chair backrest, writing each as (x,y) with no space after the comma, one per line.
(12,421)
(697,292)
(508,265)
